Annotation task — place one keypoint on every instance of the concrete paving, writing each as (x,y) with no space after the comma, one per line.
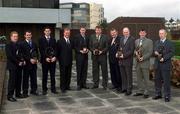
(91,101)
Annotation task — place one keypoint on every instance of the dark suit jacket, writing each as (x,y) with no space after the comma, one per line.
(128,51)
(113,50)
(64,52)
(43,44)
(103,44)
(27,53)
(79,44)
(167,55)
(12,60)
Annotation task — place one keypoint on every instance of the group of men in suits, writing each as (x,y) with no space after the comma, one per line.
(23,56)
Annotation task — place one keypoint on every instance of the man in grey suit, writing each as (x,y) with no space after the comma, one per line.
(143,52)
(126,61)
(164,51)
(98,44)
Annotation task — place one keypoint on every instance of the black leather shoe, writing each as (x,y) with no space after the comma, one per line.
(35,93)
(85,87)
(25,95)
(19,96)
(54,92)
(44,92)
(104,88)
(128,93)
(137,94)
(94,87)
(157,97)
(79,88)
(167,99)
(145,96)
(12,99)
(63,91)
(68,88)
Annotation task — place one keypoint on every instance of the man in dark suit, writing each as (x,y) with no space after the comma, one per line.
(164,51)
(113,61)
(64,55)
(81,45)
(98,44)
(14,60)
(47,48)
(126,61)
(30,52)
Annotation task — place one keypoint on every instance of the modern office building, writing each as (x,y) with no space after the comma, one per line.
(79,14)
(96,15)
(89,15)
(34,15)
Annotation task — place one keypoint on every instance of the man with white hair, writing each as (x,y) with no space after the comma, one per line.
(126,60)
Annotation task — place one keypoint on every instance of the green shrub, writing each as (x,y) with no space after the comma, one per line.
(177,47)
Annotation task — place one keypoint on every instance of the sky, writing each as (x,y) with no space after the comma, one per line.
(137,8)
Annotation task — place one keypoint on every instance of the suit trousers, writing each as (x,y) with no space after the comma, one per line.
(32,75)
(162,77)
(46,67)
(126,76)
(100,61)
(142,79)
(81,67)
(65,76)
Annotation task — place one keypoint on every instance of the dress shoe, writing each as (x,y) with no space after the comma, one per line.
(167,99)
(113,87)
(12,99)
(157,97)
(137,94)
(19,96)
(79,88)
(85,87)
(63,91)
(145,96)
(128,93)
(94,87)
(44,92)
(25,95)
(34,93)
(68,88)
(54,92)
(104,88)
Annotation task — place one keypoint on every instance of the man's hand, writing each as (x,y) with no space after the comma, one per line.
(156,53)
(48,60)
(82,51)
(136,53)
(117,55)
(162,60)
(33,61)
(53,59)
(122,56)
(141,59)
(100,52)
(20,64)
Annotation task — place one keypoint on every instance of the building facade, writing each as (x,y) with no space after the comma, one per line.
(96,15)
(79,14)
(135,24)
(34,15)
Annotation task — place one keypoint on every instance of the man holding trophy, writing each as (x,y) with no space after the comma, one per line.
(81,45)
(30,52)
(47,48)
(164,51)
(99,46)
(125,56)
(143,52)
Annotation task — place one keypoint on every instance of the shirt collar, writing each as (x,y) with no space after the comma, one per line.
(163,40)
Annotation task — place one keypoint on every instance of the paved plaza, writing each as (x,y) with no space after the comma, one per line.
(91,101)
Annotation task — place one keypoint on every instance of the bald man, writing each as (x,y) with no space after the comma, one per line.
(164,51)
(126,60)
